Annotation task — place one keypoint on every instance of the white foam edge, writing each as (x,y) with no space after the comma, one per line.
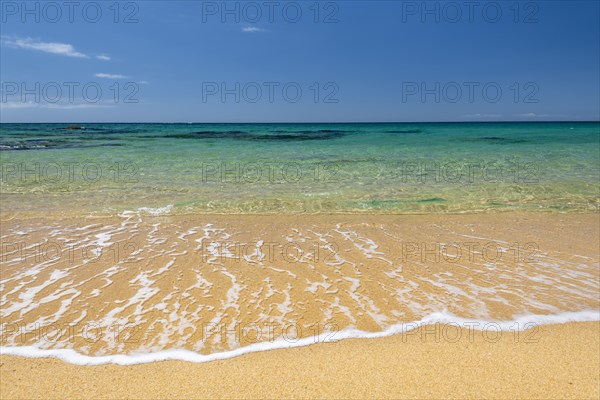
(524,322)
(156,212)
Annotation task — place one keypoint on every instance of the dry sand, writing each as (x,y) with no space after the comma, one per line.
(562,361)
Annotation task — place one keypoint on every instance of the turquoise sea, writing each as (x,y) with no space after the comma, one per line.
(294,168)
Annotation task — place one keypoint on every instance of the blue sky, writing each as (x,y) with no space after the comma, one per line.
(352,61)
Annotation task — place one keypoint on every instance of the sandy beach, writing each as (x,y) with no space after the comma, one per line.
(210,284)
(560,362)
(436,361)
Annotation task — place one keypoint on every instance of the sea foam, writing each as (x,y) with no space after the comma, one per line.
(522,322)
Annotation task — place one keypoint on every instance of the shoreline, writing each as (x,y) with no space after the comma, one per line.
(559,364)
(144,212)
(447,323)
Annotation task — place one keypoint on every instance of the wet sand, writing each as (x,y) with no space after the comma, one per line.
(343,271)
(561,362)
(204,284)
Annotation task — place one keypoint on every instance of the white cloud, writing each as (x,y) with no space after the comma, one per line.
(482,115)
(16,104)
(534,115)
(55,106)
(63,49)
(143,82)
(252,29)
(103,57)
(75,106)
(110,76)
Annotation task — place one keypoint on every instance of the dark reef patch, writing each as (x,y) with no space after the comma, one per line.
(406,131)
(286,136)
(36,144)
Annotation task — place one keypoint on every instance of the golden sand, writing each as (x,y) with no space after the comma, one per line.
(214,283)
(158,280)
(563,364)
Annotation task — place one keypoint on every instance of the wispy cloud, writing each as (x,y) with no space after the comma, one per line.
(103,57)
(63,49)
(482,115)
(16,105)
(253,29)
(143,82)
(54,106)
(534,115)
(110,76)
(76,106)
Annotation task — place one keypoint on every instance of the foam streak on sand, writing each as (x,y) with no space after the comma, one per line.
(206,288)
(523,322)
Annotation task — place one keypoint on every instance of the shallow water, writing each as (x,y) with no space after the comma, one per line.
(290,168)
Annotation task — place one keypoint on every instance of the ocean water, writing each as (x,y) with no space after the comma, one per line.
(295,168)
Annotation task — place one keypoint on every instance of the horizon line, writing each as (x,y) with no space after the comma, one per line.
(309,122)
